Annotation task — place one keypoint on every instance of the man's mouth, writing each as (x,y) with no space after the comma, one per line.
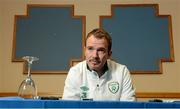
(94,61)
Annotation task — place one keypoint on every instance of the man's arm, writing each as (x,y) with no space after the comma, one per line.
(128,92)
(71,89)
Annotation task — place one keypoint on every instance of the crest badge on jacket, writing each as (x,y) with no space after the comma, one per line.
(113,87)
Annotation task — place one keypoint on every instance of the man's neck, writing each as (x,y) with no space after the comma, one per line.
(100,72)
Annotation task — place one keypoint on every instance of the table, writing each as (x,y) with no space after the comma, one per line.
(28,103)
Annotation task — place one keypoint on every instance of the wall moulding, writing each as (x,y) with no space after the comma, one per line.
(53,34)
(142,37)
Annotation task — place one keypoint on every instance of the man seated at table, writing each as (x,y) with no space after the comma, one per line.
(98,77)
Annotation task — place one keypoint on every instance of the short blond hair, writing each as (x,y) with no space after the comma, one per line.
(101,33)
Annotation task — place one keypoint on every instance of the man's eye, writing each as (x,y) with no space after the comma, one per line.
(90,48)
(102,50)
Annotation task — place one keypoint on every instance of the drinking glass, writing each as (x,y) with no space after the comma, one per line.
(27,88)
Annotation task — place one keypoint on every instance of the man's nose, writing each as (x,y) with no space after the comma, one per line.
(95,53)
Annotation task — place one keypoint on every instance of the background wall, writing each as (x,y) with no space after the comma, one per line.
(1,48)
(11,73)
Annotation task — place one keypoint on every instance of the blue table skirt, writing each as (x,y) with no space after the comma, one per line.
(27,103)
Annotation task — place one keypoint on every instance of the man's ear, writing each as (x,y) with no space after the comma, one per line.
(110,53)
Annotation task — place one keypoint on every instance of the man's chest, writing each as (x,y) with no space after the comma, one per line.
(106,88)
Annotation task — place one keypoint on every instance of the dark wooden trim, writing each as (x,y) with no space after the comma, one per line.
(6,94)
(158,95)
(74,62)
(138,94)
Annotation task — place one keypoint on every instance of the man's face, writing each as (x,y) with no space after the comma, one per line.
(96,53)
